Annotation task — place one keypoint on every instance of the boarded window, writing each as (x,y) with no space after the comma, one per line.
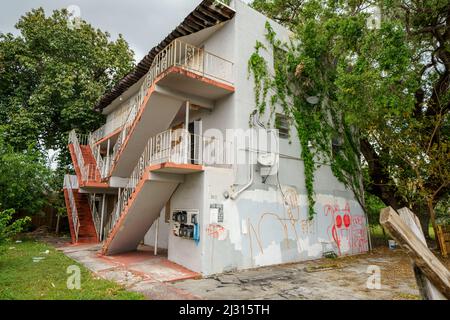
(282,124)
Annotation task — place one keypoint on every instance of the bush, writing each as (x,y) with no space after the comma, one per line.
(9,229)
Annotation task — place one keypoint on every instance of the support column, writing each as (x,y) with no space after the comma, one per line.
(102,217)
(156,236)
(186,140)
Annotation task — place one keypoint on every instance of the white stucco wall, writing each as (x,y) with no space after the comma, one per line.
(259,227)
(163,233)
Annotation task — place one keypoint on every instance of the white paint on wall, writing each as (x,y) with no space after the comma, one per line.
(163,233)
(271,255)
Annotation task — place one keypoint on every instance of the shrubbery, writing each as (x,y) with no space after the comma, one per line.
(9,228)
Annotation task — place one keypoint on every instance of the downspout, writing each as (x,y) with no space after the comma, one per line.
(237,193)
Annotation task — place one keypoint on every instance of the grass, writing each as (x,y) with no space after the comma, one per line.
(377,232)
(23,279)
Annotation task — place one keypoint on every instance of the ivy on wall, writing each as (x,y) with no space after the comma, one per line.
(302,92)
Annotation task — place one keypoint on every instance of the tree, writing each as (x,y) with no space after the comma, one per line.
(24,179)
(383,93)
(51,76)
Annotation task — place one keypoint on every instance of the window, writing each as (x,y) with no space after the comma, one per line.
(282,124)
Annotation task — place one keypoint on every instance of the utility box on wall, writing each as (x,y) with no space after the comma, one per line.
(185,223)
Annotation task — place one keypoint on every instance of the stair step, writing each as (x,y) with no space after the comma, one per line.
(86,232)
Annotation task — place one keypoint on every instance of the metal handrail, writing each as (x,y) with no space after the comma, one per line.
(74,141)
(73,208)
(176,146)
(89,172)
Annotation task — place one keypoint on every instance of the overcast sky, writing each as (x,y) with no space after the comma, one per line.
(143,23)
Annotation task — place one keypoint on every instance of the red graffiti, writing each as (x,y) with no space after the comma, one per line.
(346,229)
(359,234)
(346,220)
(215,230)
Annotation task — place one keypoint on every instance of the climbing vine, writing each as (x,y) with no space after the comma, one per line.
(300,85)
(257,65)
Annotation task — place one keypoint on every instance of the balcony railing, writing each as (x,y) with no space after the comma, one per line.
(174,146)
(179,54)
(115,122)
(73,208)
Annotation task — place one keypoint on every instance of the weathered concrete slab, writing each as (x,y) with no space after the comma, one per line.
(139,271)
(162,291)
(342,278)
(124,277)
(337,279)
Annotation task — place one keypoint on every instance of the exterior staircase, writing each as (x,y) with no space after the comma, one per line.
(84,162)
(143,208)
(82,228)
(160,169)
(89,161)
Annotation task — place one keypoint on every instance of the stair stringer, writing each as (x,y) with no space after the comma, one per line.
(149,198)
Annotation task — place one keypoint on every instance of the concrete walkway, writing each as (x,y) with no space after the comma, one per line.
(139,271)
(342,278)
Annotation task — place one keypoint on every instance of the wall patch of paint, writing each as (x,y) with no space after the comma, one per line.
(216,231)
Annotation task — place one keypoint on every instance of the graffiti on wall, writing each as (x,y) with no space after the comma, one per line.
(288,220)
(216,231)
(307,226)
(346,231)
(359,234)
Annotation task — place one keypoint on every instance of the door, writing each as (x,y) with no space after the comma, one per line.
(195,142)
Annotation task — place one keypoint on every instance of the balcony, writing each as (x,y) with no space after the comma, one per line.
(167,157)
(181,67)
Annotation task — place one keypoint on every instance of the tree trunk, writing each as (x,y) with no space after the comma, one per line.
(432,214)
(424,218)
(57,223)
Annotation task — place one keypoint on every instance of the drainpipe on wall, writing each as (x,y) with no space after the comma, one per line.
(237,193)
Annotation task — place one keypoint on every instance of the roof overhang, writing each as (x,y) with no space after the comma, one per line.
(207,14)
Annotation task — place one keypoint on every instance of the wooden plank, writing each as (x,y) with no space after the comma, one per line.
(433,269)
(427,290)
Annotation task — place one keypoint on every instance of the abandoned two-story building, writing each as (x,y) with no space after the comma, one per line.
(162,171)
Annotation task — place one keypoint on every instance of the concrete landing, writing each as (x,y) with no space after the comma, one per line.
(139,271)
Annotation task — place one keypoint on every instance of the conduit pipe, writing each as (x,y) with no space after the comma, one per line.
(237,193)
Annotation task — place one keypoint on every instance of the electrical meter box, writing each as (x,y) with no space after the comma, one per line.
(184,223)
